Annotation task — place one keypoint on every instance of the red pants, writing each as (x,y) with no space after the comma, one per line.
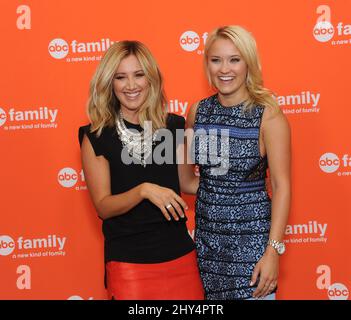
(178,279)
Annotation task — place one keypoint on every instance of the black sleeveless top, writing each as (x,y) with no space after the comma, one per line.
(142,235)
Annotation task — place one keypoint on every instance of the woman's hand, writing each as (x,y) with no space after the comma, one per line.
(267,269)
(169,202)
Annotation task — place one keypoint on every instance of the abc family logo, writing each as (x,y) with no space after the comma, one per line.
(335,291)
(8,244)
(330,162)
(59,48)
(68,177)
(15,116)
(190,41)
(324,30)
(338,291)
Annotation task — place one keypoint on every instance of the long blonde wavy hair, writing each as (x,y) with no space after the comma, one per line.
(246,44)
(103,105)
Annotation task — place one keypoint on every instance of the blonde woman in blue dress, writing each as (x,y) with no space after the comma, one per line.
(239,227)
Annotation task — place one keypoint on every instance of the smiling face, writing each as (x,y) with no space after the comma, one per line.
(130,85)
(227,71)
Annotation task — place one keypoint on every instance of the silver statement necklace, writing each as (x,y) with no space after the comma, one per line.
(138,144)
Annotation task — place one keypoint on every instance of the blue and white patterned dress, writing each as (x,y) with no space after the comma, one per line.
(233,208)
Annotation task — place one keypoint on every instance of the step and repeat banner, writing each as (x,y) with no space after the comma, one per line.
(51,245)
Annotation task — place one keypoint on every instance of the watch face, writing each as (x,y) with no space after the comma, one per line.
(281,248)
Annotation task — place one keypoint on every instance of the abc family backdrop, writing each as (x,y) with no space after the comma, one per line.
(51,246)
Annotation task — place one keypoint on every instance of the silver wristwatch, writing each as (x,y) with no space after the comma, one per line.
(278,246)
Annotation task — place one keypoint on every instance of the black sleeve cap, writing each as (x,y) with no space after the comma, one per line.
(95,141)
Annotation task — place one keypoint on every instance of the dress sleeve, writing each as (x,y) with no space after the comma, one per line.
(94,140)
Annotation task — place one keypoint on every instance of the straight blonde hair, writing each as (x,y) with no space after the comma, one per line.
(246,44)
(103,105)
